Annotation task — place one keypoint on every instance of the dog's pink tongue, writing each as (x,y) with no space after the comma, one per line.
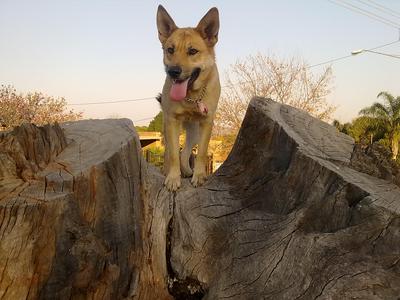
(178,90)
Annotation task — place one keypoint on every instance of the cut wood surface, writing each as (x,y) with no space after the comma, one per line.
(83,216)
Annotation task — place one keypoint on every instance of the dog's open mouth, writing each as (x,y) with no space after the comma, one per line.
(179,87)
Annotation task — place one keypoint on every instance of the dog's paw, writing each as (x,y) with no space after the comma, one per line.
(198,179)
(186,171)
(173,182)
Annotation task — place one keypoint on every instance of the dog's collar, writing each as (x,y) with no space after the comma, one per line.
(199,98)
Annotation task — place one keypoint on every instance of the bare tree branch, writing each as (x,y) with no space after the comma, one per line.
(288,81)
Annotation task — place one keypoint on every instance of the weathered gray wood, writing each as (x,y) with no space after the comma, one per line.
(73,224)
(287,216)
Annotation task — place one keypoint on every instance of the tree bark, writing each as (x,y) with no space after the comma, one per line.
(82,216)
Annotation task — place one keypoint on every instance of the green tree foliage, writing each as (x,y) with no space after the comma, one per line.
(37,108)
(141,128)
(157,123)
(365,128)
(377,123)
(386,118)
(342,127)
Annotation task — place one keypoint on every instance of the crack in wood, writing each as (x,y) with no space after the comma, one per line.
(276,211)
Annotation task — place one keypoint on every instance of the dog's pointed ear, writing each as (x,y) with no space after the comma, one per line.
(209,26)
(165,24)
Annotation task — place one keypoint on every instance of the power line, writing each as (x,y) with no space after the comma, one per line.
(347,56)
(228,85)
(144,119)
(379,7)
(385,54)
(116,101)
(330,61)
(385,8)
(370,14)
(311,66)
(388,44)
(364,12)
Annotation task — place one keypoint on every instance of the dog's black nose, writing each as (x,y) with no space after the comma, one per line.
(174,71)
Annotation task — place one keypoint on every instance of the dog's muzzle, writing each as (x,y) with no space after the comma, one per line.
(174,72)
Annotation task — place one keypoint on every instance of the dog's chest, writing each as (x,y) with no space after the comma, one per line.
(187,111)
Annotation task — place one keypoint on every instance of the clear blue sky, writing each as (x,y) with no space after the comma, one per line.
(108,50)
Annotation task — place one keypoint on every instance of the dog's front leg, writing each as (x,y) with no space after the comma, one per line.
(172,127)
(199,172)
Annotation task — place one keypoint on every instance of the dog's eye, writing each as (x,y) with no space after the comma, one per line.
(192,51)
(170,50)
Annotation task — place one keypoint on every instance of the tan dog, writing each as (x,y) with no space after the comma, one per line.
(190,93)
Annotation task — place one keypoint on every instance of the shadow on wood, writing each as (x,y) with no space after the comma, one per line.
(286,217)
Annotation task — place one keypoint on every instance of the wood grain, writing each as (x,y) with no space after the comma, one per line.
(83,216)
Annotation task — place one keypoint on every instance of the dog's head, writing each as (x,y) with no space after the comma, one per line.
(188,52)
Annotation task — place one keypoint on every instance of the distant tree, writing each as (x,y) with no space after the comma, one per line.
(36,108)
(365,128)
(344,128)
(157,123)
(288,81)
(141,128)
(386,116)
(337,124)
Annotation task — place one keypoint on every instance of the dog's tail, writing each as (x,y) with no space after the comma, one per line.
(158,98)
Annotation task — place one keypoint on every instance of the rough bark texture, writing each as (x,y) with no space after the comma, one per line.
(73,221)
(286,217)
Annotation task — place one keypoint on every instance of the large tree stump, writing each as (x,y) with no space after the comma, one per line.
(82,216)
